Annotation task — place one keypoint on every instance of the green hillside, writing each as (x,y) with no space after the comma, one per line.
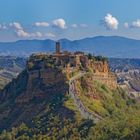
(56,116)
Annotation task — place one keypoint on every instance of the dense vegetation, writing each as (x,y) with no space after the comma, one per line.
(58,118)
(97,58)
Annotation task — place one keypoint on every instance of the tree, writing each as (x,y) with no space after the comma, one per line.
(90,56)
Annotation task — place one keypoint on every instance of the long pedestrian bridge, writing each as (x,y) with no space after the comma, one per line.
(78,103)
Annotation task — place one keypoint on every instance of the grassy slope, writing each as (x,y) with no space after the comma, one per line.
(121,114)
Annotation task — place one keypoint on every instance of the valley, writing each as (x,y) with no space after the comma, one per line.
(128,75)
(10,67)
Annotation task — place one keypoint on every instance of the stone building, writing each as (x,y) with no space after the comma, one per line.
(69,62)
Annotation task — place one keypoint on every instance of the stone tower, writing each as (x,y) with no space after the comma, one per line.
(58,49)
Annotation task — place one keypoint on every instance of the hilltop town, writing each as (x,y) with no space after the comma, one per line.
(71,63)
(51,71)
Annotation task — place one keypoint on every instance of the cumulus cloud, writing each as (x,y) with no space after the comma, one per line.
(81,25)
(126,25)
(74,25)
(110,22)
(42,24)
(22,33)
(136,24)
(16,25)
(19,30)
(36,34)
(59,23)
(3,27)
(51,35)
(84,25)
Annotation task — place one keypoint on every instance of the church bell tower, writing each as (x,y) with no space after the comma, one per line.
(58,48)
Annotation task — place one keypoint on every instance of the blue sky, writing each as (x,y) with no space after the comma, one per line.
(73,19)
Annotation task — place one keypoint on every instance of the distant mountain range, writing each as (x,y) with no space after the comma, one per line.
(110,46)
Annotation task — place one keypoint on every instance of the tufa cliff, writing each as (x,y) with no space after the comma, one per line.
(53,71)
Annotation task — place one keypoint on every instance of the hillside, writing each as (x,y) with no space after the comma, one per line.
(128,75)
(10,67)
(123,65)
(67,96)
(109,46)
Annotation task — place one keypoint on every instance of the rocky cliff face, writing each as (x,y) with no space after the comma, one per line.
(101,73)
(41,83)
(35,84)
(43,76)
(27,94)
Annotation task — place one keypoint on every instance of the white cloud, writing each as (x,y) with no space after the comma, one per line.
(51,35)
(74,25)
(19,30)
(22,33)
(136,24)
(110,22)
(84,25)
(4,27)
(81,25)
(126,25)
(0,26)
(59,23)
(42,24)
(37,34)
(16,25)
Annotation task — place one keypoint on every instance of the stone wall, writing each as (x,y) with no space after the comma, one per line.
(100,67)
(41,83)
(110,80)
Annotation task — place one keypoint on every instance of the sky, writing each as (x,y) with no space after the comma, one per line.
(71,19)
